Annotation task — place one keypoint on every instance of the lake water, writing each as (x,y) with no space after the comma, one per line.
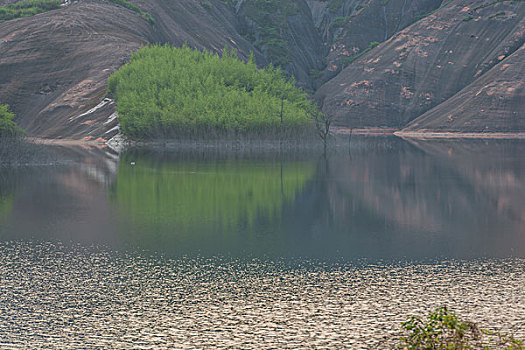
(204,248)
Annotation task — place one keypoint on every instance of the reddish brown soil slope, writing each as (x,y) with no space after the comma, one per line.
(426,64)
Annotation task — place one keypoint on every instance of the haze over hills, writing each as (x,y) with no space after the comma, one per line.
(453,65)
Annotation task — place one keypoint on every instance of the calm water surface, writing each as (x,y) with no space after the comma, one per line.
(213,249)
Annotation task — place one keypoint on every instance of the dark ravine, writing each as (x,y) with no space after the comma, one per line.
(458,68)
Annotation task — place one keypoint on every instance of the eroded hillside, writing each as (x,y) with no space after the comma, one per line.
(427,63)
(54,66)
(372,62)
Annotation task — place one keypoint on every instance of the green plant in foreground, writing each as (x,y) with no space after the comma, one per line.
(444,331)
(8,127)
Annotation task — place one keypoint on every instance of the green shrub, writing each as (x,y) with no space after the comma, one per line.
(226,192)
(335,5)
(443,330)
(27,8)
(131,6)
(425,15)
(8,127)
(179,92)
(499,14)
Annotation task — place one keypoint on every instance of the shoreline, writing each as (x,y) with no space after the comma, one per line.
(459,135)
(342,131)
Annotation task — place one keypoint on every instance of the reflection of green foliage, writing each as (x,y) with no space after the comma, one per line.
(6,206)
(191,196)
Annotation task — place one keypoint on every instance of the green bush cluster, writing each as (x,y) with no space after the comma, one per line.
(207,5)
(180,92)
(203,197)
(335,5)
(8,127)
(27,8)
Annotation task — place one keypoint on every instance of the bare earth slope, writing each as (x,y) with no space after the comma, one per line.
(54,66)
(493,103)
(425,64)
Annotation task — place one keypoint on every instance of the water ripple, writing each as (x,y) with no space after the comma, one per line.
(56,297)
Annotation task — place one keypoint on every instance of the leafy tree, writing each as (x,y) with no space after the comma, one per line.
(7,126)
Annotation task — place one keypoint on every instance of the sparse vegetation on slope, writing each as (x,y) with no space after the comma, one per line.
(27,8)
(179,92)
(226,193)
(271,18)
(131,6)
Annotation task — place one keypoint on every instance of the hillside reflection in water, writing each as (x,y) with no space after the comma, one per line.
(379,198)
